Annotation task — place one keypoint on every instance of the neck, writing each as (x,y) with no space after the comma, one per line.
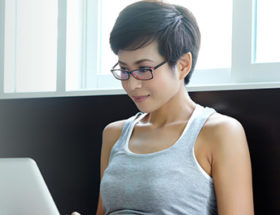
(178,108)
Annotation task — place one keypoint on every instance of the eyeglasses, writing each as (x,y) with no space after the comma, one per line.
(143,73)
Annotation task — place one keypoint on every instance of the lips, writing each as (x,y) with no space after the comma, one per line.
(140,98)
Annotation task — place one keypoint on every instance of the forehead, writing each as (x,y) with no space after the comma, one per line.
(149,51)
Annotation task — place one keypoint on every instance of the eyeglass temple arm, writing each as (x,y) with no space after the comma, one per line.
(115,65)
(160,64)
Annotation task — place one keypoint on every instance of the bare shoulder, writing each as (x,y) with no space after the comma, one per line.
(218,120)
(222,127)
(112,132)
(225,135)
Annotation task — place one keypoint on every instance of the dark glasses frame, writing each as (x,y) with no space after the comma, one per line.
(150,69)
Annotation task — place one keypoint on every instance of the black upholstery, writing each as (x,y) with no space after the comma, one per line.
(64,136)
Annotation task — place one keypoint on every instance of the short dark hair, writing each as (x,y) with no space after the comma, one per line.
(172,26)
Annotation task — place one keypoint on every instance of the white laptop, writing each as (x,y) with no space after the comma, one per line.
(23,190)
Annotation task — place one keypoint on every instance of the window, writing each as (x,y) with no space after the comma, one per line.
(75,44)
(215,52)
(267,33)
(109,9)
(245,68)
(30,45)
(215,26)
(65,49)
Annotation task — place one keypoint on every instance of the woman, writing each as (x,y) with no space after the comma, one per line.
(175,156)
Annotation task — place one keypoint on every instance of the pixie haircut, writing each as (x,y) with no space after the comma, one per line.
(172,26)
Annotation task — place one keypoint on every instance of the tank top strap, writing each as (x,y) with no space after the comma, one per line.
(128,125)
(130,122)
(196,124)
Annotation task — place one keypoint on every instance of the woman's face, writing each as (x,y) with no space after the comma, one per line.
(149,95)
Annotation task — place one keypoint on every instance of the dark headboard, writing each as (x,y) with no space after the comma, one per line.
(64,136)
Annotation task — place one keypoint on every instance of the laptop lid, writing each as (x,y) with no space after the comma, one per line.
(23,189)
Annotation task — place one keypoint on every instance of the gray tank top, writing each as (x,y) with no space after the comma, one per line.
(170,181)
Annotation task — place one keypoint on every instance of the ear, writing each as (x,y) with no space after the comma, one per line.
(184,65)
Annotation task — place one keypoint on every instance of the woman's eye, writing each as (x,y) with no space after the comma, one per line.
(123,69)
(144,69)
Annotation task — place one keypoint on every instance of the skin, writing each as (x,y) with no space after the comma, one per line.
(221,147)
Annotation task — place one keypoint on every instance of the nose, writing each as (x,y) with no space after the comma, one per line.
(133,83)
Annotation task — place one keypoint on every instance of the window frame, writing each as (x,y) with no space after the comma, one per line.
(244,69)
(244,73)
(2,33)
(61,47)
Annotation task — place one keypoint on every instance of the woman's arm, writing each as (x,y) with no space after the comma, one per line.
(231,168)
(111,133)
(100,209)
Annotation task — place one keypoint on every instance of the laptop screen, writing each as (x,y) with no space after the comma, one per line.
(23,189)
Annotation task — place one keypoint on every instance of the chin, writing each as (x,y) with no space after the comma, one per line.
(145,108)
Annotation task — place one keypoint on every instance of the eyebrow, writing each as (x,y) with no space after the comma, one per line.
(137,62)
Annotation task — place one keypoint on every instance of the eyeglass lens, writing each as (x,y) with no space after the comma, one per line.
(140,74)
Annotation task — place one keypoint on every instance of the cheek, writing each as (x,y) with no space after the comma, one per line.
(124,85)
(166,75)
(166,81)
(163,88)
